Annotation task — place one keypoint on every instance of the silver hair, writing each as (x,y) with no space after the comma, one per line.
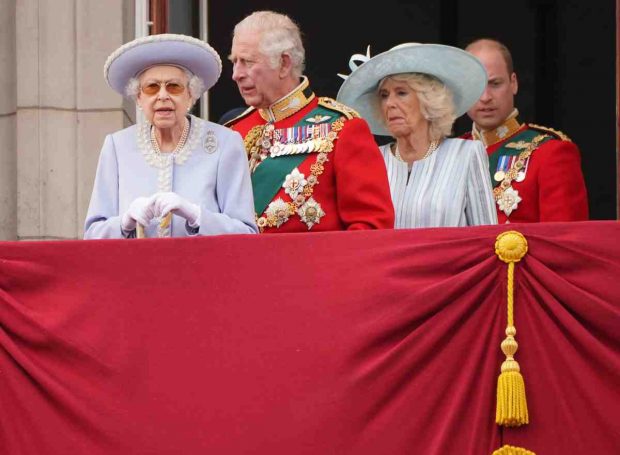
(279,34)
(195,85)
(436,102)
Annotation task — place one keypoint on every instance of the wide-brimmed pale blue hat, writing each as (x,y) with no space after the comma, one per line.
(460,71)
(134,57)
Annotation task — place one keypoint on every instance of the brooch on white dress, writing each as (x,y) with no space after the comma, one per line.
(210,143)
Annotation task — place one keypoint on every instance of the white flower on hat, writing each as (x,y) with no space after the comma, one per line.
(353,61)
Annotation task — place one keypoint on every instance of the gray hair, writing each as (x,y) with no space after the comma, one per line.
(436,102)
(195,85)
(278,35)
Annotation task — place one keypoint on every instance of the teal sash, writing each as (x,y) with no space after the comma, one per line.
(268,177)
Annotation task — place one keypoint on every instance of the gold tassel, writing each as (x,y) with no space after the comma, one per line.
(511,410)
(511,450)
(511,402)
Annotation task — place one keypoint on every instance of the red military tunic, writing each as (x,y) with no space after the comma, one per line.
(315,166)
(547,185)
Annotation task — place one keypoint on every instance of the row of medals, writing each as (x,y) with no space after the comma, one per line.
(501,175)
(270,143)
(317,144)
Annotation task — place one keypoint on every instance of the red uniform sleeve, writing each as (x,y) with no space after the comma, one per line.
(562,194)
(362,189)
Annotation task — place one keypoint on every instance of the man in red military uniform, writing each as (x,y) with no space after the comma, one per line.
(536,170)
(314,163)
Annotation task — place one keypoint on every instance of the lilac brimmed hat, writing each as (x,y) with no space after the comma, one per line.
(460,71)
(132,58)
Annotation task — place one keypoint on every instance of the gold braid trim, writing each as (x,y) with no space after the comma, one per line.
(334,105)
(251,140)
(546,129)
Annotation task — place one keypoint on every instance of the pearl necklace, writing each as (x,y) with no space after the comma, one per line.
(180,144)
(431,148)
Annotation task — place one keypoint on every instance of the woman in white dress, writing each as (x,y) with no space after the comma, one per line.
(172,175)
(414,92)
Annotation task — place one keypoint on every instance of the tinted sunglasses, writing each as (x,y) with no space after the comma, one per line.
(152,88)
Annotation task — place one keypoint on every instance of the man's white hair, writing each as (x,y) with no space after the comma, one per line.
(278,35)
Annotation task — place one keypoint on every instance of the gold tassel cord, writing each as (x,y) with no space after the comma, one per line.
(511,410)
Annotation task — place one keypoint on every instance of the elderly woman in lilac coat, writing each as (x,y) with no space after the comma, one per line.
(172,175)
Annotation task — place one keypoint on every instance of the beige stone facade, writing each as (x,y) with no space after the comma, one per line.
(52,124)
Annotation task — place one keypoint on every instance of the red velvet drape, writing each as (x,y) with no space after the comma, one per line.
(383,342)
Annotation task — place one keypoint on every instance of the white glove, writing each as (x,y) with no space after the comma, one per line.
(141,211)
(165,203)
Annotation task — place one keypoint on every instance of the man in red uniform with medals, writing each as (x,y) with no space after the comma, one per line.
(536,170)
(314,163)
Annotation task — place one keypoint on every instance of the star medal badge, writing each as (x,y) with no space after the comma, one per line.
(509,200)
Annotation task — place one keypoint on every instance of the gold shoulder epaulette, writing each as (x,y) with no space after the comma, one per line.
(557,134)
(245,113)
(334,105)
